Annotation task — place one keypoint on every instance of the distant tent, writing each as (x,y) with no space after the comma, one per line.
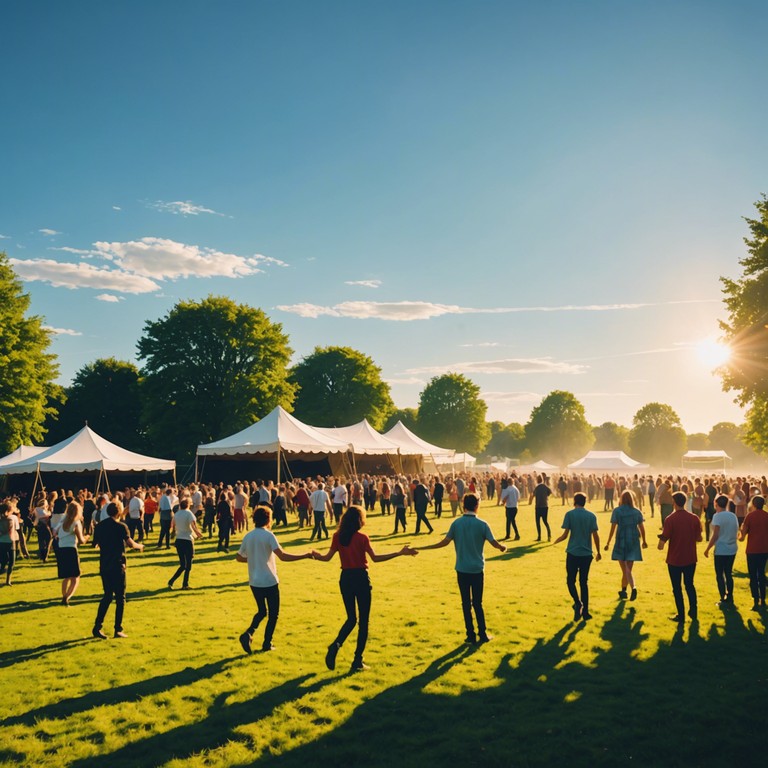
(608,461)
(459,462)
(707,460)
(537,466)
(22,453)
(408,441)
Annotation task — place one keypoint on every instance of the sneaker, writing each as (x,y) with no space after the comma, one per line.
(186,586)
(633,594)
(517,538)
(170,584)
(330,656)
(358,665)
(120,633)
(245,642)
(267,647)
(586,615)
(484,637)
(98,633)
(622,594)
(470,640)
(577,611)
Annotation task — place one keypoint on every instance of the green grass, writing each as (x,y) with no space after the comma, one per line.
(625,688)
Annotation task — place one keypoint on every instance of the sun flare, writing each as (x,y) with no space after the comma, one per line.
(712,353)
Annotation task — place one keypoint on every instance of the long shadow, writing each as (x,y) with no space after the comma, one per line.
(514,551)
(9,658)
(218,728)
(132,692)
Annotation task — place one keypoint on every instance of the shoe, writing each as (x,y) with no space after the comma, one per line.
(186,586)
(358,665)
(678,619)
(622,594)
(756,606)
(470,640)
(98,633)
(267,647)
(119,633)
(586,615)
(170,584)
(539,539)
(330,656)
(245,642)
(633,594)
(484,637)
(517,538)
(577,611)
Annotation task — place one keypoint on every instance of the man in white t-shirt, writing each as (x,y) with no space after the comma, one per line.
(320,503)
(258,549)
(510,498)
(185,525)
(725,529)
(339,499)
(136,516)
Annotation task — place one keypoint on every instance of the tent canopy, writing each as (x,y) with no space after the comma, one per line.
(22,453)
(85,451)
(537,466)
(365,440)
(457,461)
(706,455)
(411,443)
(606,460)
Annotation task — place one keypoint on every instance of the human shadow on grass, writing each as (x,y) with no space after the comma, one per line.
(220,726)
(9,658)
(571,700)
(121,693)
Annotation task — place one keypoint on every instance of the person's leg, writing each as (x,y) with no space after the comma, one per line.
(104,603)
(465,580)
(720,575)
(119,586)
(584,565)
(538,523)
(363,598)
(690,590)
(627,565)
(675,577)
(761,565)
(347,587)
(438,508)
(728,575)
(272,595)
(544,519)
(188,549)
(514,523)
(476,595)
(322,524)
(508,513)
(182,563)
(571,570)
(9,564)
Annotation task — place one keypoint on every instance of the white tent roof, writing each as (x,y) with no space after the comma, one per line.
(457,460)
(365,440)
(86,451)
(278,430)
(21,453)
(609,460)
(706,455)
(537,466)
(406,439)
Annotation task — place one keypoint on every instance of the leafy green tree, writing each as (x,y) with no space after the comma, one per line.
(339,386)
(409,417)
(743,444)
(557,430)
(28,368)
(105,394)
(698,441)
(610,436)
(452,415)
(508,440)
(657,436)
(211,368)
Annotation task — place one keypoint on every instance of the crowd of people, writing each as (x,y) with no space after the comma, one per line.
(715,508)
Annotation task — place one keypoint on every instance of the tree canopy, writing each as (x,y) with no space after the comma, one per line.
(211,367)
(28,368)
(610,436)
(507,440)
(657,436)
(557,430)
(339,386)
(452,415)
(409,417)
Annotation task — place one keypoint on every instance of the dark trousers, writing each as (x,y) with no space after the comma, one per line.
(756,567)
(542,513)
(724,575)
(165,533)
(666,511)
(511,515)
(421,517)
(43,540)
(400,517)
(651,497)
(578,566)
(225,529)
(684,573)
(355,588)
(7,559)
(133,526)
(386,506)
(267,604)
(471,591)
(148,520)
(319,526)
(113,582)
(438,507)
(186,551)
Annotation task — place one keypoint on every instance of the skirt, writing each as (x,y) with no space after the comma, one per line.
(68,562)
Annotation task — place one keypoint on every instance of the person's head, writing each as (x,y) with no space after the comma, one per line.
(679,499)
(114,509)
(74,512)
(758,502)
(579,499)
(470,502)
(320,486)
(184,503)
(627,499)
(538,478)
(721,501)
(351,522)
(262,516)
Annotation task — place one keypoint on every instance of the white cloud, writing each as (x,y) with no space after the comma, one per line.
(76,251)
(405,380)
(48,232)
(484,344)
(163,259)
(62,331)
(116,208)
(66,275)
(183,208)
(110,297)
(506,366)
(364,283)
(511,397)
(5,237)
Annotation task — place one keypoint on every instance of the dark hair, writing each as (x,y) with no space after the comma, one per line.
(113,509)
(579,499)
(758,502)
(722,501)
(679,499)
(470,502)
(261,516)
(351,522)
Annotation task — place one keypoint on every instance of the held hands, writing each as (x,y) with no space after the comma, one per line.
(313,555)
(406,550)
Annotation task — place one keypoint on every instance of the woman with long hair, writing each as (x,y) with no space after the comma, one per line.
(225,519)
(398,502)
(626,550)
(70,533)
(355,585)
(9,535)
(42,518)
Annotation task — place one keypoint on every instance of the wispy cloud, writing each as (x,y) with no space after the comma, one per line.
(511,397)
(110,298)
(184,208)
(62,331)
(364,283)
(48,232)
(5,237)
(509,365)
(405,380)
(484,344)
(425,310)
(116,208)
(75,251)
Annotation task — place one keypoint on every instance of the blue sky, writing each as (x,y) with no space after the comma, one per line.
(540,195)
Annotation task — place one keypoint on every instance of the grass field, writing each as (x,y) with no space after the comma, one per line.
(624,688)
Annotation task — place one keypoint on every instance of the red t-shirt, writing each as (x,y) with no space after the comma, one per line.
(150,506)
(755,528)
(301,498)
(682,529)
(352,556)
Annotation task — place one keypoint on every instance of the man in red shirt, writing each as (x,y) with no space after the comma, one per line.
(755,530)
(682,529)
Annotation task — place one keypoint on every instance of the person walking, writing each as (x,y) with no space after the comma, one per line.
(421,501)
(510,497)
(540,495)
(354,548)
(580,528)
(725,530)
(398,502)
(111,537)
(469,534)
(259,548)
(755,530)
(225,521)
(8,537)
(320,503)
(165,508)
(629,522)
(184,524)
(70,533)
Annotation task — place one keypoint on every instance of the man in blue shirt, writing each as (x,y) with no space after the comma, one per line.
(581,525)
(469,534)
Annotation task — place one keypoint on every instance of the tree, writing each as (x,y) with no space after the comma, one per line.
(557,430)
(339,386)
(742,444)
(409,417)
(698,441)
(210,368)
(507,441)
(610,436)
(657,436)
(28,369)
(106,395)
(452,415)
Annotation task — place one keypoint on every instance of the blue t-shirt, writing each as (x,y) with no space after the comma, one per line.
(581,523)
(469,534)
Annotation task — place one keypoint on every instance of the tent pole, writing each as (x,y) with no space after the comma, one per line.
(34,485)
(278,465)
(196,458)
(98,483)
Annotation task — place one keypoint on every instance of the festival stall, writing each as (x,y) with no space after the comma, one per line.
(412,444)
(707,460)
(606,461)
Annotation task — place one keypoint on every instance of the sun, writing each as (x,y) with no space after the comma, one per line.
(712,353)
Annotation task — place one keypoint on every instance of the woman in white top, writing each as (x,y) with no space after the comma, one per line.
(43,526)
(70,533)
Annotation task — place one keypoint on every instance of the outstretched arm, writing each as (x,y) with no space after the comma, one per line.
(444,543)
(562,537)
(406,550)
(287,557)
(328,555)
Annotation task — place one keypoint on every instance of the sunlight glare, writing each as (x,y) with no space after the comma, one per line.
(713,353)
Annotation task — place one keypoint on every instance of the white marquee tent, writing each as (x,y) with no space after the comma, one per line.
(707,459)
(537,466)
(609,461)
(410,442)
(22,453)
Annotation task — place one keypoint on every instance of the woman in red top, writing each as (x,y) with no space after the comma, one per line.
(755,530)
(353,546)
